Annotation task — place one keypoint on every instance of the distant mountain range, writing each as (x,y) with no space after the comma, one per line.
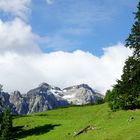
(46,97)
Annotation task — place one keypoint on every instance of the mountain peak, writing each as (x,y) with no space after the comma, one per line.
(86,86)
(17,93)
(47,86)
(83,85)
(44,85)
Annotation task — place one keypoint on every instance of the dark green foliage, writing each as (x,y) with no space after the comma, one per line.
(133,41)
(107,95)
(100,101)
(126,93)
(6,125)
(111,98)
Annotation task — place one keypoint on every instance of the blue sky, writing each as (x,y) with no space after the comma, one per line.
(88,25)
(63,42)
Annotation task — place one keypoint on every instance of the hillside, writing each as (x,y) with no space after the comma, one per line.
(60,124)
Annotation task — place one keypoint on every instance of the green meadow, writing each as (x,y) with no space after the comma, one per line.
(64,123)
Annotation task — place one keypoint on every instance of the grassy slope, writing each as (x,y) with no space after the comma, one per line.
(60,124)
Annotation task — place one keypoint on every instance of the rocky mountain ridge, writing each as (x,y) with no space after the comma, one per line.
(46,97)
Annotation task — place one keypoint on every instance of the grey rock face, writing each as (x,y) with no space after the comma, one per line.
(40,99)
(5,102)
(20,102)
(81,94)
(46,97)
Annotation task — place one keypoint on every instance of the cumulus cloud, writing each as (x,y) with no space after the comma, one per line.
(23,72)
(63,69)
(17,36)
(16,8)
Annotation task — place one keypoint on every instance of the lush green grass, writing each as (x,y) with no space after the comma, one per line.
(60,124)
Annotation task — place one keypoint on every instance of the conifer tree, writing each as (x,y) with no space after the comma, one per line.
(6,133)
(127,90)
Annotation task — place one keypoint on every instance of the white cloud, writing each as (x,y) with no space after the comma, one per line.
(17,36)
(63,69)
(23,72)
(16,8)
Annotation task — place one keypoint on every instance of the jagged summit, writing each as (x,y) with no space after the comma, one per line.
(44,85)
(86,86)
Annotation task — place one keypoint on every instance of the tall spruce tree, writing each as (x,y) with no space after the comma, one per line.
(127,90)
(6,131)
